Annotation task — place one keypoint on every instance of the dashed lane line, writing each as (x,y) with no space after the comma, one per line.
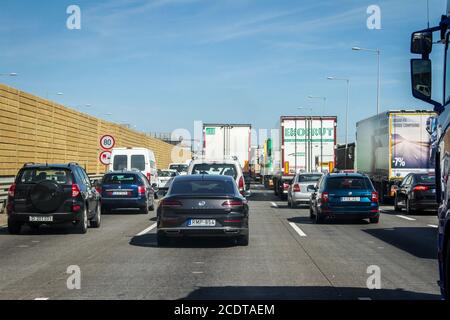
(406,218)
(274,205)
(433,226)
(297,229)
(153,226)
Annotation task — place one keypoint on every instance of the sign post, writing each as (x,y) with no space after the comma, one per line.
(107,143)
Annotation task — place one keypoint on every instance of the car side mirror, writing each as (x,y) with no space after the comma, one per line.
(422,42)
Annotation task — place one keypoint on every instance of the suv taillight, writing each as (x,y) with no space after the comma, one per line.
(296,188)
(325,197)
(75,190)
(374,196)
(12,190)
(241,184)
(141,190)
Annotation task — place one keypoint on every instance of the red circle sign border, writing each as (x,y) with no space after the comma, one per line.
(113,139)
(100,157)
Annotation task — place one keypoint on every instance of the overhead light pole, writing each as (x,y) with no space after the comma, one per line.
(320,98)
(346,112)
(378,53)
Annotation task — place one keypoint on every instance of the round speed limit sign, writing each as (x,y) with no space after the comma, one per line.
(107,142)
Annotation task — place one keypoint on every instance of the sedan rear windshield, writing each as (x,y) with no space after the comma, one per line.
(37,175)
(309,178)
(120,179)
(166,174)
(426,179)
(179,167)
(349,184)
(219,169)
(205,187)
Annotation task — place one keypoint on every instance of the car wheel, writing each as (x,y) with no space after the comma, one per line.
(161,240)
(319,219)
(14,227)
(374,220)
(152,207)
(97,220)
(293,204)
(289,203)
(82,225)
(396,207)
(409,210)
(144,210)
(243,240)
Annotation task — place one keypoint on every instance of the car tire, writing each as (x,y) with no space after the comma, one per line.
(318,219)
(82,225)
(409,210)
(161,240)
(152,207)
(293,205)
(396,207)
(144,210)
(97,220)
(374,220)
(311,213)
(289,203)
(243,240)
(14,227)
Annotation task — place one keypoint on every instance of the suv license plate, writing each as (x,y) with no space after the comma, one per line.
(41,219)
(201,223)
(351,199)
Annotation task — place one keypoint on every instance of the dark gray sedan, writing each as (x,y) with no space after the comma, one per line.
(203,206)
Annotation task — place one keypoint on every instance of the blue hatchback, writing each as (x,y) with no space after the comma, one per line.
(349,196)
(126,190)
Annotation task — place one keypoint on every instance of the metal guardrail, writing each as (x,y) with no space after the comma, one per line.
(6,182)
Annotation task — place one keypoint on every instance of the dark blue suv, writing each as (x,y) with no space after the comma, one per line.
(342,195)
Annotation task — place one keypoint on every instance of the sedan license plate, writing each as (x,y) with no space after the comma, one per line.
(350,199)
(201,223)
(120,193)
(41,219)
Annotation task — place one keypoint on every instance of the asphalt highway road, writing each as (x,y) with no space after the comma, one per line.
(289,257)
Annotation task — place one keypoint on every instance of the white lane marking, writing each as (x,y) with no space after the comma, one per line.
(197,272)
(153,226)
(433,226)
(406,218)
(365,299)
(41,299)
(274,205)
(297,229)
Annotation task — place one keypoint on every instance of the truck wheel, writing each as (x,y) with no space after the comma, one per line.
(14,227)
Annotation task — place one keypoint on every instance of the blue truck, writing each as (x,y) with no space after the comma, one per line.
(422,44)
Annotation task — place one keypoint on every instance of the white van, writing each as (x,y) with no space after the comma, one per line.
(141,159)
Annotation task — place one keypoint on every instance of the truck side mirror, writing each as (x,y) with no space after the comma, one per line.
(422,42)
(421,79)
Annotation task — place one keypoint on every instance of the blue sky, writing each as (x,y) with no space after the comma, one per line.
(161,64)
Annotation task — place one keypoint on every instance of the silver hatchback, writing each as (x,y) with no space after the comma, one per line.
(298,193)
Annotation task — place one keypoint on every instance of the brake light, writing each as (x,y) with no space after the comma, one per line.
(171,203)
(241,184)
(75,190)
(12,190)
(76,208)
(99,189)
(421,188)
(374,196)
(296,188)
(141,190)
(149,176)
(232,203)
(285,186)
(325,197)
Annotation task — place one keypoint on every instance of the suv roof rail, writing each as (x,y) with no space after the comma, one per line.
(34,164)
(72,164)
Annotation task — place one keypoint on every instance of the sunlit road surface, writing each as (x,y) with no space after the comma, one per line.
(289,257)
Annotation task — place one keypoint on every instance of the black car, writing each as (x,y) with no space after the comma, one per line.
(52,194)
(416,192)
(126,190)
(203,206)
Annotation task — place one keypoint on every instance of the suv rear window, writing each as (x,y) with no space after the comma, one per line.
(120,178)
(203,187)
(36,175)
(218,169)
(120,162)
(353,183)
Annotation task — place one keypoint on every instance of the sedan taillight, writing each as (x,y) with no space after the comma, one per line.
(241,184)
(296,188)
(12,190)
(375,196)
(421,188)
(141,190)
(325,197)
(232,203)
(285,186)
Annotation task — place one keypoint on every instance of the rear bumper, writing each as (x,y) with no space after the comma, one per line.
(301,197)
(114,203)
(203,232)
(424,204)
(57,217)
(340,214)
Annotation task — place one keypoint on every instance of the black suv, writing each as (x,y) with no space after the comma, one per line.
(51,194)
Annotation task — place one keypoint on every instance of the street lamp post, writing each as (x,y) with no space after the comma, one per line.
(378,53)
(346,113)
(321,98)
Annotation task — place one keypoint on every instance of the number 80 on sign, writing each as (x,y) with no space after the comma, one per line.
(107,142)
